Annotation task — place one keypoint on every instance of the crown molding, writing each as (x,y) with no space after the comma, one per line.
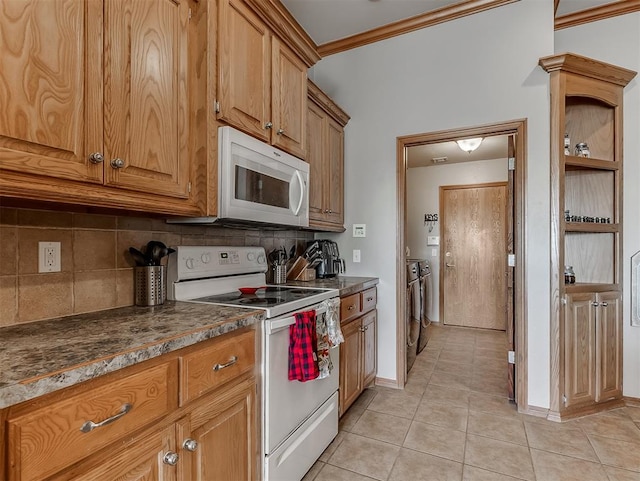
(417,22)
(323,100)
(570,62)
(594,14)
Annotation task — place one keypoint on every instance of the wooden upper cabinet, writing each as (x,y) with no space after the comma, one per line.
(145,95)
(96,92)
(244,73)
(51,91)
(289,100)
(325,154)
(262,85)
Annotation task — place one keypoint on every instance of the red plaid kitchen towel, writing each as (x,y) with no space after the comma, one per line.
(303,341)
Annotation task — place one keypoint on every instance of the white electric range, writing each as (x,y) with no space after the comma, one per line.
(299,420)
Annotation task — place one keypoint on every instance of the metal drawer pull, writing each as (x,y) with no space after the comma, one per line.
(170,458)
(90,425)
(231,362)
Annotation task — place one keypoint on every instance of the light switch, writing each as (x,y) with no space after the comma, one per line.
(356,255)
(434,252)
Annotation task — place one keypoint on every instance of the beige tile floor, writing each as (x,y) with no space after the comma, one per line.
(453,422)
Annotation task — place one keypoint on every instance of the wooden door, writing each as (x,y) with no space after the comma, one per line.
(225,432)
(51,94)
(350,364)
(146,108)
(244,75)
(510,218)
(316,135)
(474,240)
(141,460)
(608,347)
(579,349)
(370,346)
(288,100)
(334,192)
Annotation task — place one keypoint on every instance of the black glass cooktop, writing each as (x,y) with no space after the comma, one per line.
(269,296)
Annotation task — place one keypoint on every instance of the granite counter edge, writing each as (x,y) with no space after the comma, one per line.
(16,393)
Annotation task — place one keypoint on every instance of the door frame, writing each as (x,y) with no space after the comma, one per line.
(442,218)
(518,128)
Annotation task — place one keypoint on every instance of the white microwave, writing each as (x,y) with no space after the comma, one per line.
(257,184)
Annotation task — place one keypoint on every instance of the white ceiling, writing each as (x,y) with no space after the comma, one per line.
(329,20)
(491,148)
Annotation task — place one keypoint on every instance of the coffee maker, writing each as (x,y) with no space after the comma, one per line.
(331,264)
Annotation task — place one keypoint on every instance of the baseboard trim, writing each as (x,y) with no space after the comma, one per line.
(390,383)
(535,411)
(631,401)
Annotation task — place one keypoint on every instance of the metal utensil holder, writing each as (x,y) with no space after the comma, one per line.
(279,273)
(150,286)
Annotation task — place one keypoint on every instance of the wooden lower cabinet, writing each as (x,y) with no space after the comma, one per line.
(593,348)
(220,437)
(358,353)
(86,432)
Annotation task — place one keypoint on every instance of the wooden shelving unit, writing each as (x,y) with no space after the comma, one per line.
(586,317)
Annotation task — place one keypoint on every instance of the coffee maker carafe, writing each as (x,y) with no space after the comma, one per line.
(331,264)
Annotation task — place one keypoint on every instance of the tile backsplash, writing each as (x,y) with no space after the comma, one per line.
(96,267)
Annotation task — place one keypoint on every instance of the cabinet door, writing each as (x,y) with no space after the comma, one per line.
(579,349)
(289,100)
(51,95)
(225,432)
(335,171)
(140,460)
(244,77)
(316,138)
(370,346)
(145,100)
(350,364)
(609,347)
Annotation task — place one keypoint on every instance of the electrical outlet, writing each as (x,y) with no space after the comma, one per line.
(356,255)
(48,256)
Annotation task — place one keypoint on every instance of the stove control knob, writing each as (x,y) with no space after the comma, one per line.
(261,259)
(206,258)
(190,263)
(251,256)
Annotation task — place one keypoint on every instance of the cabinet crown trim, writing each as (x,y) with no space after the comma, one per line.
(588,67)
(324,101)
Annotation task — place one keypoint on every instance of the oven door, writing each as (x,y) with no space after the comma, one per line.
(287,404)
(261,183)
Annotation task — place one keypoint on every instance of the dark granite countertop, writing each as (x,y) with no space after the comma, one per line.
(345,284)
(44,356)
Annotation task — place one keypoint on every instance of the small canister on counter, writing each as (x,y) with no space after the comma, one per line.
(582,150)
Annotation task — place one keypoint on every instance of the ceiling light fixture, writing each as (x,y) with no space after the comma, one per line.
(469,145)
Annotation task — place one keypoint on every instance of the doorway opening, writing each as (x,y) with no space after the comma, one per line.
(515,303)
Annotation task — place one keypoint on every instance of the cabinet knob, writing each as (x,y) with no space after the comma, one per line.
(190,444)
(351,308)
(96,158)
(604,304)
(362,329)
(117,163)
(595,304)
(170,458)
(280,131)
(268,125)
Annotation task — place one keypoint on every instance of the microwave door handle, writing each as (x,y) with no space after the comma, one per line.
(301,182)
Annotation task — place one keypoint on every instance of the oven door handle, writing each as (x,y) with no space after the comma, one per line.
(278,324)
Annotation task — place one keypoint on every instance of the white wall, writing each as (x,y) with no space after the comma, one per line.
(617,41)
(423,197)
(475,70)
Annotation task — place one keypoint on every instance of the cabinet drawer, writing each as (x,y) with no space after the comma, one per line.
(368,299)
(349,307)
(212,366)
(50,438)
